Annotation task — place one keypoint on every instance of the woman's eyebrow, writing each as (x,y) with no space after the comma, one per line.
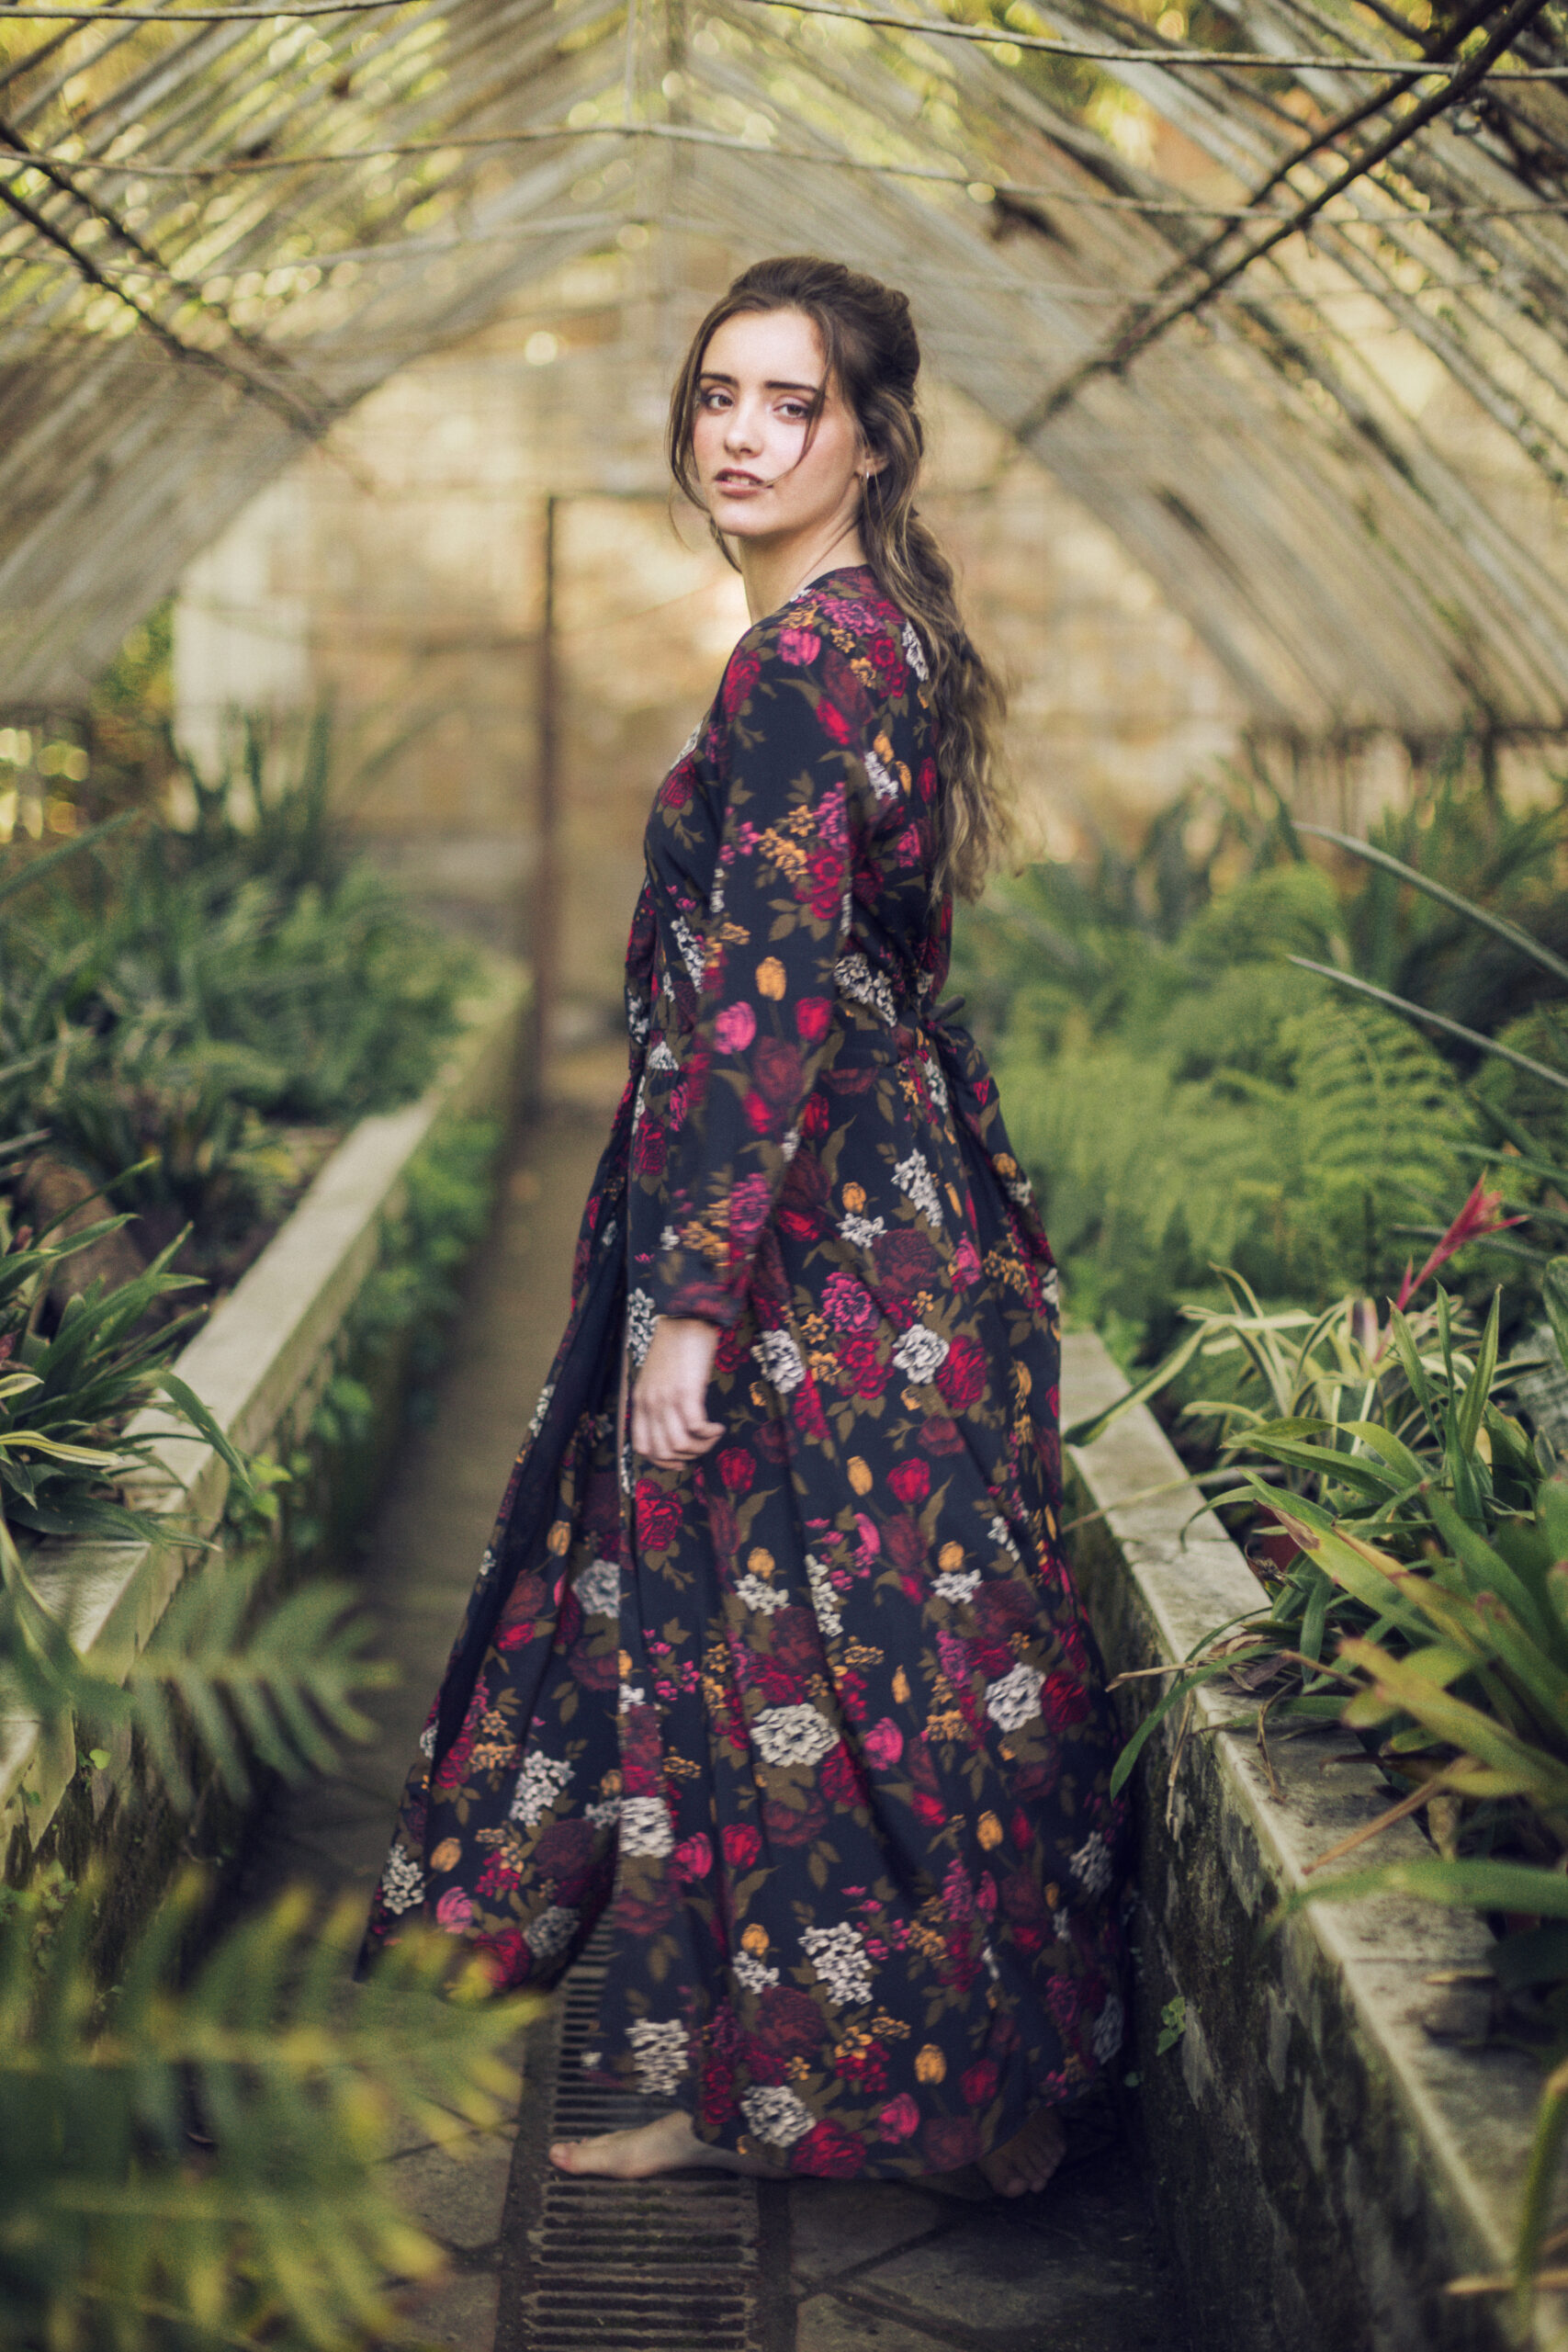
(773,384)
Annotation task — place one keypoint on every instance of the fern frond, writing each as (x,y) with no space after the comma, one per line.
(113,2240)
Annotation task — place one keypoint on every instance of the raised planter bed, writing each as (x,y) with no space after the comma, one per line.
(1330,2143)
(262,1365)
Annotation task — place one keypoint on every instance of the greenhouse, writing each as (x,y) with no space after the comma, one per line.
(349,619)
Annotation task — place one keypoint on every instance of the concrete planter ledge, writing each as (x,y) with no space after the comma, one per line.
(259,1365)
(1329,2141)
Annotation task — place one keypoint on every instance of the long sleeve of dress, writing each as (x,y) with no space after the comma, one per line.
(795,788)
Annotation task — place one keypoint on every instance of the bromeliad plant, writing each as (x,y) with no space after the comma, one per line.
(65,1397)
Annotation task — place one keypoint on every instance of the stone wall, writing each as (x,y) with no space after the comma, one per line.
(1332,2136)
(398,570)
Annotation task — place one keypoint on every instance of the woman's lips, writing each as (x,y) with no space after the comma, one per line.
(739,485)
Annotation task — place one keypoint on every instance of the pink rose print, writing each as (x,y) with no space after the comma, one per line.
(900,2118)
(454,1911)
(749,1206)
(883,1743)
(735,1028)
(813,1018)
(692,1857)
(798,647)
(848,1304)
(911,1481)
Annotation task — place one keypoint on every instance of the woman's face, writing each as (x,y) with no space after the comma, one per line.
(760,476)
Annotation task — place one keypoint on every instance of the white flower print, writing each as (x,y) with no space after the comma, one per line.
(915,652)
(486,1563)
(914,1177)
(632,1695)
(781,1361)
(824,1599)
(1106,2039)
(859,978)
(789,1144)
(427,1740)
(659,2052)
(1015,1698)
(861,1230)
(956,1584)
(539,1784)
(644,1827)
(935,1080)
(777,2114)
(598,1588)
(716,896)
(884,786)
(541,1408)
(1051,1287)
(796,1735)
(669,1238)
(551,1931)
(1091,1864)
(641,1316)
(1001,1535)
(757,1594)
(754,1973)
(402,1882)
(691,948)
(839,1956)
(660,1056)
(604,1814)
(920,1353)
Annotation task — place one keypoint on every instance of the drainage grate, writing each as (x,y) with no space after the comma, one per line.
(644,2265)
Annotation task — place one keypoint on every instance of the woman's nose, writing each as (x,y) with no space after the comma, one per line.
(741,433)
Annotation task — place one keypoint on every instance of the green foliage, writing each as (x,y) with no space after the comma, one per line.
(429,1238)
(284,2230)
(173,998)
(1253,1120)
(116,2235)
(1184,1093)
(65,1399)
(1422,1601)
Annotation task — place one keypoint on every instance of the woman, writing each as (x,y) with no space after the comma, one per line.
(804,1692)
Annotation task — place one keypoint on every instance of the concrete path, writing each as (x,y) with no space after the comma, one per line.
(834,2265)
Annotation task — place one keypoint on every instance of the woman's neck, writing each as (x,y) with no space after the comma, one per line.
(773,572)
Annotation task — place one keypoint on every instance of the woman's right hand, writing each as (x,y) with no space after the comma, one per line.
(669,1422)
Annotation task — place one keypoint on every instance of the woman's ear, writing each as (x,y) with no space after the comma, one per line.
(870,463)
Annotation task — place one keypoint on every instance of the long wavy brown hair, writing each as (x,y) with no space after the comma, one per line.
(873,355)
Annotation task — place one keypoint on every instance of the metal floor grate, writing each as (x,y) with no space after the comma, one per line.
(646,2266)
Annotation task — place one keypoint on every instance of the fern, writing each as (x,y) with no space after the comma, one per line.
(277,1689)
(1264,1124)
(115,2236)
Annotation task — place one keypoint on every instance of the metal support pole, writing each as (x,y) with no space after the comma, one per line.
(544,926)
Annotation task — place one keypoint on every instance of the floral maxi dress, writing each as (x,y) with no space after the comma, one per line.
(818,1716)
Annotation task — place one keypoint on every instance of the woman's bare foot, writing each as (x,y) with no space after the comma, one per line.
(1023,2165)
(668,2146)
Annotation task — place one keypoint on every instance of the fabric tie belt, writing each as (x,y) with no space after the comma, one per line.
(912,1032)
